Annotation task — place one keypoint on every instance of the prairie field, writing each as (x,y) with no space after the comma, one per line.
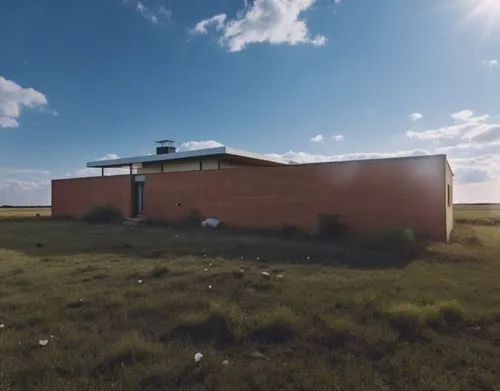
(21,212)
(94,307)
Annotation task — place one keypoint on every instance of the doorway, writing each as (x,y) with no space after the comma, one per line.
(139,198)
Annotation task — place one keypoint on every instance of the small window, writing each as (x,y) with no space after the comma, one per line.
(450,198)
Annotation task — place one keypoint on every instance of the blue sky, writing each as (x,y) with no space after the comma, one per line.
(308,80)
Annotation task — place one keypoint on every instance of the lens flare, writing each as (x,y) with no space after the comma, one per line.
(485,12)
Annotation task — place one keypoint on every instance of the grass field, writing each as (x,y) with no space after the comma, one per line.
(128,308)
(13,213)
(477,214)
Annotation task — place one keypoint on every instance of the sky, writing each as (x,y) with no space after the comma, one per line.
(306,80)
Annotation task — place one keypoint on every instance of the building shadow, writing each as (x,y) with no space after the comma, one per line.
(47,238)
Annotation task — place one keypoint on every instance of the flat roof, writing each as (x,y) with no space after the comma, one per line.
(200,153)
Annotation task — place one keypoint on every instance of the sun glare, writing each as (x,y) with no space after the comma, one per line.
(486,12)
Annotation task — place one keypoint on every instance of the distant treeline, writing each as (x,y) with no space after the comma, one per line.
(24,206)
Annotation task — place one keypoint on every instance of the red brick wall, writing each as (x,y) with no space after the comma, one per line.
(75,196)
(366,194)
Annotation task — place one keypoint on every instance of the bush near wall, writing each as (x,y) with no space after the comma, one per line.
(330,225)
(102,214)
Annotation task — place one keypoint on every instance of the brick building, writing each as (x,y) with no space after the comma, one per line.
(250,190)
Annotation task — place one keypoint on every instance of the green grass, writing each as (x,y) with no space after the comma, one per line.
(341,318)
(16,213)
(488,214)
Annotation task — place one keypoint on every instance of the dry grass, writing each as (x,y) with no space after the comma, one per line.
(16,213)
(127,309)
(488,214)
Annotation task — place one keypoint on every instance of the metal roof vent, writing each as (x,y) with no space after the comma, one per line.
(165,146)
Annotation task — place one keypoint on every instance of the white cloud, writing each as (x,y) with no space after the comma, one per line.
(13,99)
(92,171)
(415,116)
(477,171)
(304,157)
(317,139)
(217,21)
(491,63)
(272,21)
(22,186)
(195,145)
(338,137)
(155,16)
(467,127)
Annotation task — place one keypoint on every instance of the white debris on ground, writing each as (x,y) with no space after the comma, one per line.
(279,277)
(225,362)
(257,354)
(210,287)
(265,275)
(43,342)
(211,222)
(205,270)
(2,325)
(242,270)
(139,281)
(197,357)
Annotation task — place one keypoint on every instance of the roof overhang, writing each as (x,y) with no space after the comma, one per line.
(223,151)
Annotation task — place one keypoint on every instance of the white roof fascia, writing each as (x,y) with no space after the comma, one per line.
(157,158)
(182,155)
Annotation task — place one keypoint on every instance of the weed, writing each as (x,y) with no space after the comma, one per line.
(128,350)
(391,240)
(289,230)
(102,214)
(410,320)
(194,218)
(332,331)
(159,271)
(276,325)
(330,225)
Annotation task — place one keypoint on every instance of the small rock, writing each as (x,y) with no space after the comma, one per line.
(242,270)
(210,287)
(225,362)
(43,342)
(265,275)
(210,264)
(205,270)
(279,277)
(197,357)
(139,281)
(2,325)
(259,355)
(51,336)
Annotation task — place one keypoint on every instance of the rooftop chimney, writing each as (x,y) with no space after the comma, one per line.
(165,146)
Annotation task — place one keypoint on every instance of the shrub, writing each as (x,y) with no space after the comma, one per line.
(103,214)
(392,239)
(159,271)
(194,218)
(289,230)
(330,225)
(130,349)
(332,331)
(276,325)
(411,319)
(222,323)
(465,236)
